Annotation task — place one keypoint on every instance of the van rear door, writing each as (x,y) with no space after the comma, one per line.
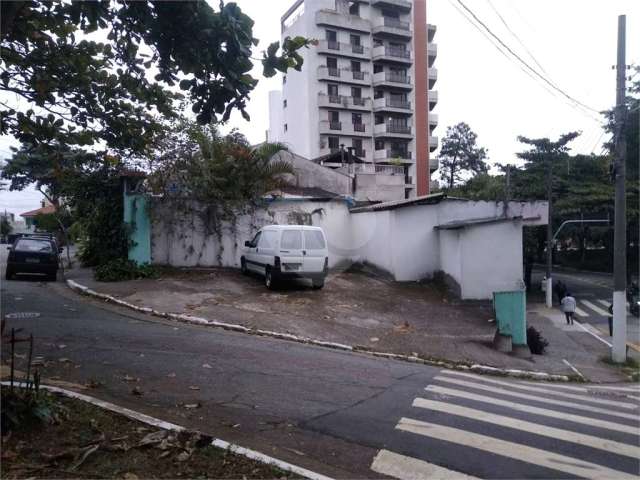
(291,254)
(315,250)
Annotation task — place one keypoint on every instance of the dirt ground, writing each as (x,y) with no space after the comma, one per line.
(89,442)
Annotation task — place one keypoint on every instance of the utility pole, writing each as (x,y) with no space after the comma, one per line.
(619,349)
(549,288)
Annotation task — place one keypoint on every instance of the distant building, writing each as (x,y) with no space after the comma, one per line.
(46,208)
(367,85)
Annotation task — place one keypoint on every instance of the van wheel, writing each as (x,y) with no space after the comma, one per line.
(269,280)
(317,284)
(243,266)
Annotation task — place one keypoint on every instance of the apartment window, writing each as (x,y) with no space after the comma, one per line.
(379,119)
(355,66)
(286,127)
(377,42)
(284,104)
(334,121)
(356,46)
(377,68)
(332,40)
(334,144)
(358,151)
(356,118)
(332,91)
(356,92)
(379,144)
(356,71)
(378,94)
(332,67)
(354,9)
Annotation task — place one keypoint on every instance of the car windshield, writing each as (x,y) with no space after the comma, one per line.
(33,245)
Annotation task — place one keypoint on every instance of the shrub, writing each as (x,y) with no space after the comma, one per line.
(121,269)
(537,343)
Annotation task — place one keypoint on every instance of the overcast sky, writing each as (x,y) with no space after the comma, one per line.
(574,41)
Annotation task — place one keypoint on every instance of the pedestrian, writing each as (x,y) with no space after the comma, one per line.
(568,307)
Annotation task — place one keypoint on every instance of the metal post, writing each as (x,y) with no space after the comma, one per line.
(619,349)
(549,290)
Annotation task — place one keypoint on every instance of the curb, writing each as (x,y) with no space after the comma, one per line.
(477,368)
(156,422)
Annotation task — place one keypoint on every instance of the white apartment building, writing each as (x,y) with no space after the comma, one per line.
(367,84)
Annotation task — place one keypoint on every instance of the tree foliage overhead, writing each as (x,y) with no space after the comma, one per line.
(102,72)
(460,156)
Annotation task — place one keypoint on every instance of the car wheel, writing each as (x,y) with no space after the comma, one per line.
(8,274)
(269,281)
(243,266)
(318,284)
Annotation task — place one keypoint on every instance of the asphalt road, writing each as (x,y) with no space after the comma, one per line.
(593,292)
(341,414)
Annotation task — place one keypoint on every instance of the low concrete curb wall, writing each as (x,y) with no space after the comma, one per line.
(155,422)
(528,374)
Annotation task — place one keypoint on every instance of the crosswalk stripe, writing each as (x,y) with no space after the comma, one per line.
(631,406)
(581,313)
(618,389)
(537,398)
(544,412)
(517,451)
(409,468)
(605,303)
(538,429)
(554,386)
(595,308)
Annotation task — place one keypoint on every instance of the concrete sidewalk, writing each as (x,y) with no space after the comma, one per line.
(366,311)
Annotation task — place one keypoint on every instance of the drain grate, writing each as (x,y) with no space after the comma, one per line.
(17,315)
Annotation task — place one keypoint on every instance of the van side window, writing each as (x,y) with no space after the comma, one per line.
(291,240)
(256,239)
(313,240)
(268,239)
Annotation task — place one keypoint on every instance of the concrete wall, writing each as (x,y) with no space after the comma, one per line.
(312,175)
(180,239)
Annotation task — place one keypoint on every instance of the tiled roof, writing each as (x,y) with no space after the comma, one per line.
(40,211)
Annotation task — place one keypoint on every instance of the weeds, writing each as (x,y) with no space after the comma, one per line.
(536,342)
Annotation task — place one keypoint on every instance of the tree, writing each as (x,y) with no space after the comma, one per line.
(5,226)
(86,92)
(460,156)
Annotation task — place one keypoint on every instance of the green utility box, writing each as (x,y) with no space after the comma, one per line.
(511,315)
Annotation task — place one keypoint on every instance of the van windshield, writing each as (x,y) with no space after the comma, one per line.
(313,240)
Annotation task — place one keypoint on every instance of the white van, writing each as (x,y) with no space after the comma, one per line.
(287,251)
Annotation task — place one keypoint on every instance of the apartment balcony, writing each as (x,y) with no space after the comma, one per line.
(331,18)
(433,99)
(344,75)
(432,53)
(392,156)
(345,129)
(392,27)
(344,102)
(392,130)
(434,164)
(431,32)
(389,79)
(433,120)
(432,75)
(393,106)
(392,54)
(403,5)
(433,143)
(379,169)
(344,49)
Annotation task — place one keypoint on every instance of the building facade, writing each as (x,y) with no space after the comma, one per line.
(368,85)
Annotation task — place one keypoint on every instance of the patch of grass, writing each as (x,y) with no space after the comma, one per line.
(630,367)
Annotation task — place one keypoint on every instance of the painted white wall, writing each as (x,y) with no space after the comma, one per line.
(491,259)
(275,133)
(451,257)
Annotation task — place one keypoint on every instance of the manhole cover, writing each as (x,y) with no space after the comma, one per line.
(22,315)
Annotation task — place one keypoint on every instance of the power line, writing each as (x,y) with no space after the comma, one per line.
(547,81)
(527,72)
(516,36)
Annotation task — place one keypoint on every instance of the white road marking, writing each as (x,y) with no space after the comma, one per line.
(631,406)
(553,385)
(605,303)
(535,410)
(618,389)
(592,333)
(555,433)
(581,313)
(595,308)
(517,451)
(409,468)
(538,398)
(575,370)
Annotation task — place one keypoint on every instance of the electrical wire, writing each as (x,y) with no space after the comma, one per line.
(514,54)
(504,22)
